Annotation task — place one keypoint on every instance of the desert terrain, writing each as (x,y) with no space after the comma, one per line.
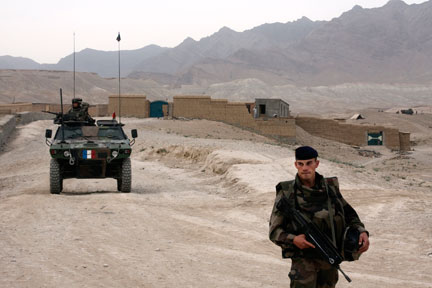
(43,87)
(197,216)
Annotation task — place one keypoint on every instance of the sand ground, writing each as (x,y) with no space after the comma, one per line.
(198,212)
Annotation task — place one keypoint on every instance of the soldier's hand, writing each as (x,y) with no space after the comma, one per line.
(301,242)
(363,242)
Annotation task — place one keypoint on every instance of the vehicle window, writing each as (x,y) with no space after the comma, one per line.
(69,133)
(90,132)
(111,133)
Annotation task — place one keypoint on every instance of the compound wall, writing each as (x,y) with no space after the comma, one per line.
(234,113)
(352,134)
(9,122)
(94,110)
(15,108)
(131,106)
(404,138)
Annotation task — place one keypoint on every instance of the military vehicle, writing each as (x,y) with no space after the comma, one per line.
(407,111)
(81,149)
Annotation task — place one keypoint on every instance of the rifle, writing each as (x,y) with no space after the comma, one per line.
(59,116)
(322,243)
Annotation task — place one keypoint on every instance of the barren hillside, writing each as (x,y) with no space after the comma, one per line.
(39,86)
(43,86)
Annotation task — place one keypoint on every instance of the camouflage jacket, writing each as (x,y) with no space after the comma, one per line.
(313,203)
(79,114)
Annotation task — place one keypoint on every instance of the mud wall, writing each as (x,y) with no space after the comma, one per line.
(234,113)
(404,138)
(8,123)
(94,110)
(15,108)
(278,127)
(350,133)
(131,106)
(197,107)
(99,110)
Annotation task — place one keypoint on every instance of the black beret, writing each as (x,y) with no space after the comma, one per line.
(305,153)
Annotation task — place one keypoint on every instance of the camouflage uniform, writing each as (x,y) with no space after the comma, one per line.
(80,113)
(308,270)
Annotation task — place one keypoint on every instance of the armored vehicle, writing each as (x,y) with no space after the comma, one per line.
(83,150)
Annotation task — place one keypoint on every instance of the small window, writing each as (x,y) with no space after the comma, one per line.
(375,139)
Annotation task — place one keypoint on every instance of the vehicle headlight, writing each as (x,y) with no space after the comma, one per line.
(114,153)
(66,153)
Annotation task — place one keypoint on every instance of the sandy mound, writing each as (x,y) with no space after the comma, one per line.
(220,161)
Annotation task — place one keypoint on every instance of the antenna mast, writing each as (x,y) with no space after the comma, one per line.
(118,39)
(74,65)
(62,115)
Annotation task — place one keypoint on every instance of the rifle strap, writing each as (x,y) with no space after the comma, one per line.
(330,210)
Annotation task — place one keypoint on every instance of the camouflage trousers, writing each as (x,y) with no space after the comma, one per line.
(312,273)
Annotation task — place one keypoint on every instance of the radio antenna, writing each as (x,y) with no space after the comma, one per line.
(118,40)
(74,65)
(62,116)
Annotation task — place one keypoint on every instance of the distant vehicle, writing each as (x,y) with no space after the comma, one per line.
(80,150)
(83,149)
(407,111)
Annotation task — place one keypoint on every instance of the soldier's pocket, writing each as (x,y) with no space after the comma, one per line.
(302,270)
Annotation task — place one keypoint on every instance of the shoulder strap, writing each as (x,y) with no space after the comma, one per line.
(330,209)
(336,196)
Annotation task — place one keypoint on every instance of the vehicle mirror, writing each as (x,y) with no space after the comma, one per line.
(48,133)
(134,133)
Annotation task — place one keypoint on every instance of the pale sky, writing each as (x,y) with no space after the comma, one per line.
(43,29)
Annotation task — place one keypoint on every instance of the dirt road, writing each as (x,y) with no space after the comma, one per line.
(197,215)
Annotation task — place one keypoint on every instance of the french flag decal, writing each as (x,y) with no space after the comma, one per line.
(89,154)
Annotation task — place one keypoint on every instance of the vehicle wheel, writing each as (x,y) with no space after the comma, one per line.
(125,181)
(56,180)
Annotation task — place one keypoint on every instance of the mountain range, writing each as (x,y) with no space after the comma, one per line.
(389,44)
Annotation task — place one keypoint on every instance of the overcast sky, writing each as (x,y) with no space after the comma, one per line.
(43,29)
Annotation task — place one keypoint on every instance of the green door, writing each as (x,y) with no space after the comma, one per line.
(156,108)
(375,138)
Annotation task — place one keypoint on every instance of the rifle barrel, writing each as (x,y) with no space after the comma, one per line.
(343,273)
(50,112)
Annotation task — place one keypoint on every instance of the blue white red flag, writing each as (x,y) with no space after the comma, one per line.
(89,154)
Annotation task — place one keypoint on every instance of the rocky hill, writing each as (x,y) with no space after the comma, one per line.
(42,86)
(389,44)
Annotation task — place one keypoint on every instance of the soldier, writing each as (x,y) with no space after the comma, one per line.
(320,200)
(79,111)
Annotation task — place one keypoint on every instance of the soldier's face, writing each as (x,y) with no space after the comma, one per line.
(306,168)
(75,105)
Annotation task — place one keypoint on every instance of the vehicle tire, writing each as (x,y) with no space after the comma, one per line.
(56,180)
(125,182)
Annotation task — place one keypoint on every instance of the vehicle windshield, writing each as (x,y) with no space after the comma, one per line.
(90,132)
